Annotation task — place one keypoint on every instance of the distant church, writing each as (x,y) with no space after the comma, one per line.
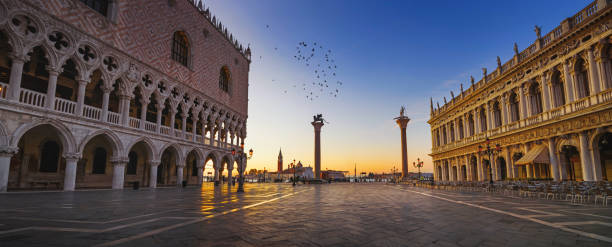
(284,175)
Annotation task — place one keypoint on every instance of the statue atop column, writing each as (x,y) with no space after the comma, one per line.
(402,122)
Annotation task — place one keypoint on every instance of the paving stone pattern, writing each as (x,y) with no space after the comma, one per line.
(307,215)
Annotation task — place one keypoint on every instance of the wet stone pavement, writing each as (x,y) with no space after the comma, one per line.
(305,215)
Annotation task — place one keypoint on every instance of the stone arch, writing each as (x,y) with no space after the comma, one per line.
(149,147)
(176,148)
(601,170)
(110,136)
(66,137)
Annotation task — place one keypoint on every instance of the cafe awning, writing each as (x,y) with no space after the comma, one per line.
(538,154)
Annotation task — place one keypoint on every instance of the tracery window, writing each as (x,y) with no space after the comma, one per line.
(497,114)
(101,6)
(471,124)
(483,120)
(180,48)
(582,79)
(224,79)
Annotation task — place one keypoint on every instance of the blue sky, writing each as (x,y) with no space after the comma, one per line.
(389,54)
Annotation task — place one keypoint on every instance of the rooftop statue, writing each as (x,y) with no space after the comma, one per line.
(318,118)
(402,110)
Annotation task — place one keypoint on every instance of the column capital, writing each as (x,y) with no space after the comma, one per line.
(317,125)
(119,160)
(154,163)
(72,156)
(8,151)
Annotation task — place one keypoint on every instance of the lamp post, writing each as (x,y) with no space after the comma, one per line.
(241,157)
(292,165)
(418,165)
(489,151)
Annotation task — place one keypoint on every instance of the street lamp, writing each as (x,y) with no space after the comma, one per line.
(241,168)
(488,151)
(418,165)
(292,165)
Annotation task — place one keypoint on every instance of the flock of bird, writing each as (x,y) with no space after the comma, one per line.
(320,63)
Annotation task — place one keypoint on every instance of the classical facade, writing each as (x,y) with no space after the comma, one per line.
(544,114)
(103,93)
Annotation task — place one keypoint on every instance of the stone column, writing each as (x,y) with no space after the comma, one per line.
(160,108)
(593,73)
(179,174)
(402,122)
(230,169)
(143,112)
(70,172)
(153,174)
(528,167)
(489,111)
(15,77)
(509,163)
(585,157)
(597,172)
(317,142)
(568,84)
(504,107)
(523,103)
(172,119)
(465,126)
(604,79)
(201,172)
(5,164)
(444,171)
(212,132)
(184,125)
(216,167)
(124,109)
(546,104)
(194,127)
(476,121)
(52,85)
(81,97)
(554,163)
(105,98)
(118,173)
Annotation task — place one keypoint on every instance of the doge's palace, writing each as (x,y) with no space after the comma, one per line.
(544,114)
(106,93)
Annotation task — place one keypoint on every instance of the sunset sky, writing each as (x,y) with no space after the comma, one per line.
(388,53)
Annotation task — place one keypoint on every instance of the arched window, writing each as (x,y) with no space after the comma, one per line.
(582,79)
(460,128)
(558,90)
(471,124)
(132,163)
(224,79)
(180,48)
(438,137)
(99,162)
(536,98)
(194,168)
(452,132)
(444,139)
(514,107)
(101,6)
(49,157)
(483,120)
(497,114)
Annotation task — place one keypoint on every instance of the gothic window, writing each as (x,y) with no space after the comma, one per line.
(497,114)
(101,6)
(180,48)
(49,157)
(132,163)
(536,99)
(224,79)
(99,162)
(582,79)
